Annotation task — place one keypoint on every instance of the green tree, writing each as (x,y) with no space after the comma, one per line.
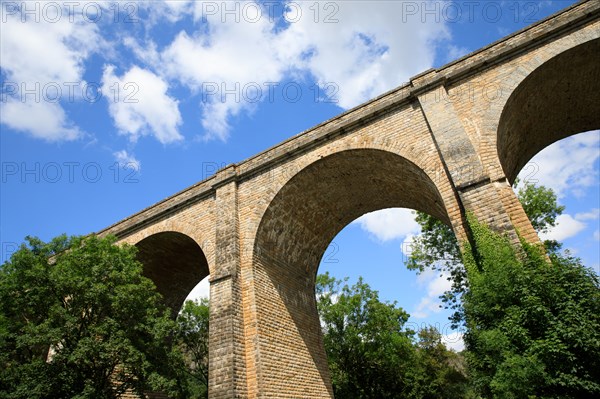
(192,334)
(443,372)
(533,325)
(84,302)
(372,355)
(540,205)
(369,353)
(437,247)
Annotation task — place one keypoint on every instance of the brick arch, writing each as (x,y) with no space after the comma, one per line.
(294,232)
(558,99)
(175,263)
(417,148)
(201,238)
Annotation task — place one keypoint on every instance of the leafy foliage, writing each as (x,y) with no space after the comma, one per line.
(372,355)
(78,320)
(369,353)
(540,205)
(442,372)
(192,335)
(542,209)
(533,324)
(437,247)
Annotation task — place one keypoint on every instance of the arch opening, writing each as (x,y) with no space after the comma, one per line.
(557,100)
(296,230)
(175,263)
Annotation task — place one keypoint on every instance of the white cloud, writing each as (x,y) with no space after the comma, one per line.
(425,277)
(407,244)
(566,227)
(593,214)
(171,10)
(230,58)
(389,224)
(426,307)
(139,104)
(201,290)
(146,53)
(127,160)
(567,166)
(455,52)
(41,120)
(597,235)
(355,53)
(364,47)
(44,65)
(437,283)
(62,45)
(454,341)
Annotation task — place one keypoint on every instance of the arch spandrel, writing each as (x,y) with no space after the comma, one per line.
(480,101)
(558,99)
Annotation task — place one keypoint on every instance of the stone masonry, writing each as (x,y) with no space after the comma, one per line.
(452,140)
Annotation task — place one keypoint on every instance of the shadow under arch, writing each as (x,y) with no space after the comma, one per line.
(558,99)
(175,263)
(295,231)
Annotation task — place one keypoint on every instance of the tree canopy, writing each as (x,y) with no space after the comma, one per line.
(533,322)
(437,247)
(372,355)
(192,337)
(79,320)
(531,314)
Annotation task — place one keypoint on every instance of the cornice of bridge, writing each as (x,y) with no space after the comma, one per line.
(533,36)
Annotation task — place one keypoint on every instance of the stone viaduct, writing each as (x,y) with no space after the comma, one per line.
(451,140)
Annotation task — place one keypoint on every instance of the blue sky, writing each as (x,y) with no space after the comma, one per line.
(109,107)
